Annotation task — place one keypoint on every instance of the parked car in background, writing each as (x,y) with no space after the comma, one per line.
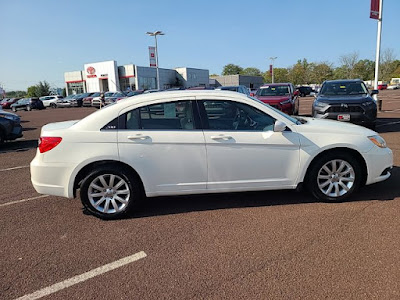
(9,102)
(77,101)
(393,87)
(305,90)
(51,100)
(282,96)
(235,88)
(134,93)
(96,102)
(10,126)
(346,100)
(87,101)
(382,86)
(174,143)
(114,98)
(65,102)
(27,104)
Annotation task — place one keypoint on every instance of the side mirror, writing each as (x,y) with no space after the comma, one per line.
(374,92)
(279,126)
(296,92)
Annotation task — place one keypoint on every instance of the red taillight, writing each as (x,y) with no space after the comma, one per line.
(47,143)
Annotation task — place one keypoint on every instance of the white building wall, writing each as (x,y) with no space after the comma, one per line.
(96,71)
(194,77)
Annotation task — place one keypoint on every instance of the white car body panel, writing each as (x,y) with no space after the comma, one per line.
(177,162)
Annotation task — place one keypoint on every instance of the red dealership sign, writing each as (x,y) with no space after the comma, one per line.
(374,13)
(152,56)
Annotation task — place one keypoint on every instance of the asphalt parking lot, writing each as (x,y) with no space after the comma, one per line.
(263,245)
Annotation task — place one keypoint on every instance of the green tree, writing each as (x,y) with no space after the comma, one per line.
(32,91)
(301,72)
(281,75)
(251,72)
(231,69)
(42,89)
(364,69)
(340,73)
(15,94)
(321,72)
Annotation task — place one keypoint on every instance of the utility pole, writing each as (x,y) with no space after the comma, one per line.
(155,33)
(272,67)
(378,48)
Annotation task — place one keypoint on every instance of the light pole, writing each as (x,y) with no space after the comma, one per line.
(155,33)
(272,69)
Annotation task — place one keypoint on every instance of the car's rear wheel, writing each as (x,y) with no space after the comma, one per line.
(334,176)
(110,193)
(53,105)
(13,109)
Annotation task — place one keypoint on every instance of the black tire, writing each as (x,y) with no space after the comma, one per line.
(316,180)
(53,105)
(90,195)
(28,108)
(371,125)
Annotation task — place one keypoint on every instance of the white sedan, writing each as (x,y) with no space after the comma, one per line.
(193,142)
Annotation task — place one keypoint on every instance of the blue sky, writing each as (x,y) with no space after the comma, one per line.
(42,39)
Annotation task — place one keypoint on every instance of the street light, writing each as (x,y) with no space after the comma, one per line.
(272,69)
(155,33)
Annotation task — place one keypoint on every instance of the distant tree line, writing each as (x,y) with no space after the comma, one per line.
(38,90)
(304,72)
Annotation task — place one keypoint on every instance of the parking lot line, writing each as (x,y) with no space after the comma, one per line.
(13,168)
(83,277)
(23,200)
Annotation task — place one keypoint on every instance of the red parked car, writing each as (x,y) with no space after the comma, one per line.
(7,104)
(282,96)
(382,86)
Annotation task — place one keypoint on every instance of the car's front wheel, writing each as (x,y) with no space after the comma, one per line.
(110,193)
(53,105)
(334,176)
(28,108)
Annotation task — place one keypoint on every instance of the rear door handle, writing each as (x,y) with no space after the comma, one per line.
(138,137)
(221,137)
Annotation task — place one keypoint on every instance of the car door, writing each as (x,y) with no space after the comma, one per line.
(243,151)
(164,144)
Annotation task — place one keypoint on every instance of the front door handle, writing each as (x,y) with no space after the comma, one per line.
(138,137)
(221,137)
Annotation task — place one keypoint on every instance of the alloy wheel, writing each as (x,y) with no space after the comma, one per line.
(109,193)
(336,178)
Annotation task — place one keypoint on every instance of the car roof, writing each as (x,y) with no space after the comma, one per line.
(343,80)
(276,84)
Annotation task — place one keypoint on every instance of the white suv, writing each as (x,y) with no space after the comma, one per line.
(50,100)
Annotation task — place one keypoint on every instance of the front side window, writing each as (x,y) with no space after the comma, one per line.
(165,116)
(229,115)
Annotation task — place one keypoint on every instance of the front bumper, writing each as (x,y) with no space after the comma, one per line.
(357,113)
(379,164)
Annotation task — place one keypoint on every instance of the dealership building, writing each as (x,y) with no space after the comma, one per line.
(108,76)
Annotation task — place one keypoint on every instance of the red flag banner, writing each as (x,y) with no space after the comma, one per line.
(270,70)
(374,13)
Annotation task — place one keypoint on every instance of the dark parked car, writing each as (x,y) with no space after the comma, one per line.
(77,101)
(10,127)
(27,104)
(282,96)
(346,100)
(305,90)
(87,101)
(7,104)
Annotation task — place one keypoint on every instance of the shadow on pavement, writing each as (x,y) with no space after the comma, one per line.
(383,191)
(17,146)
(388,125)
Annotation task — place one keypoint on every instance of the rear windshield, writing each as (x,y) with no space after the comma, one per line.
(273,90)
(343,88)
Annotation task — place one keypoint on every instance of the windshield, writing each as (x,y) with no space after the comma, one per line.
(343,88)
(294,120)
(109,94)
(273,90)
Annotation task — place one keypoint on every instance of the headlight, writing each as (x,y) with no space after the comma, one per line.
(320,104)
(378,140)
(285,102)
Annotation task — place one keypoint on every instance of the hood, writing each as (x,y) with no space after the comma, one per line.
(3,112)
(272,99)
(324,126)
(355,99)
